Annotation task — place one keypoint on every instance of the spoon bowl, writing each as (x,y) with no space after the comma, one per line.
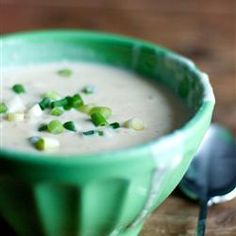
(211,177)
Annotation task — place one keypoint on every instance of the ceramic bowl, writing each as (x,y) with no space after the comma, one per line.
(110,193)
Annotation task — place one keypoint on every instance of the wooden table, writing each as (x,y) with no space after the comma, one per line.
(204,30)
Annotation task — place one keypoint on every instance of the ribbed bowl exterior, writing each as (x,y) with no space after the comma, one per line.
(99,207)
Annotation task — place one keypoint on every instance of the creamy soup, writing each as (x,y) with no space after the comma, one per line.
(76,108)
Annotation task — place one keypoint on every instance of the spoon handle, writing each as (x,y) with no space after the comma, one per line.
(202,218)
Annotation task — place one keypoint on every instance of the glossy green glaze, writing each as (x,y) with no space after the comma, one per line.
(109,193)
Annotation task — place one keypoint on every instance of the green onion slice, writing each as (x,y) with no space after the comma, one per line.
(59,103)
(18,88)
(104,111)
(55,127)
(44,143)
(100,132)
(43,127)
(56,111)
(69,125)
(15,116)
(77,101)
(98,119)
(89,132)
(69,102)
(135,124)
(65,72)
(89,89)
(114,125)
(3,108)
(45,103)
(93,132)
(37,142)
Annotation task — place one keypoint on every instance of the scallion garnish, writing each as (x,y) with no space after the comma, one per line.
(98,119)
(77,101)
(45,103)
(15,116)
(114,125)
(69,125)
(44,143)
(43,127)
(134,123)
(100,132)
(59,103)
(37,142)
(89,132)
(55,127)
(93,132)
(104,111)
(3,108)
(65,72)
(18,88)
(89,89)
(69,103)
(56,111)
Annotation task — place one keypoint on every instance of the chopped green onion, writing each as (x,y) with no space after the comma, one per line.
(44,143)
(104,111)
(59,103)
(134,123)
(90,132)
(56,111)
(3,108)
(43,127)
(65,72)
(18,88)
(69,103)
(55,127)
(114,125)
(70,126)
(86,108)
(77,101)
(89,89)
(36,141)
(51,95)
(16,116)
(40,144)
(33,139)
(45,103)
(100,132)
(98,119)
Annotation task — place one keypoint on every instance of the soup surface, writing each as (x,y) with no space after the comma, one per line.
(33,97)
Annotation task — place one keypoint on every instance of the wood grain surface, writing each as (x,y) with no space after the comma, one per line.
(203,30)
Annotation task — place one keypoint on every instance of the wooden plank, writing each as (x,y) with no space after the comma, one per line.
(209,6)
(179,217)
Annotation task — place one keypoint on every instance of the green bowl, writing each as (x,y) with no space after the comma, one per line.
(110,193)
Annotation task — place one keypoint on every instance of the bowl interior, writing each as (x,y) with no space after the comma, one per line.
(155,62)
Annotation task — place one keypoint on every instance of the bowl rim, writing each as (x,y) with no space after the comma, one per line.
(208,102)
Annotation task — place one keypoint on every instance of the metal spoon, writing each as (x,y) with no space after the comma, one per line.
(211,177)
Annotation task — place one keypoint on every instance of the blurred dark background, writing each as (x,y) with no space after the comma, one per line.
(203,30)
